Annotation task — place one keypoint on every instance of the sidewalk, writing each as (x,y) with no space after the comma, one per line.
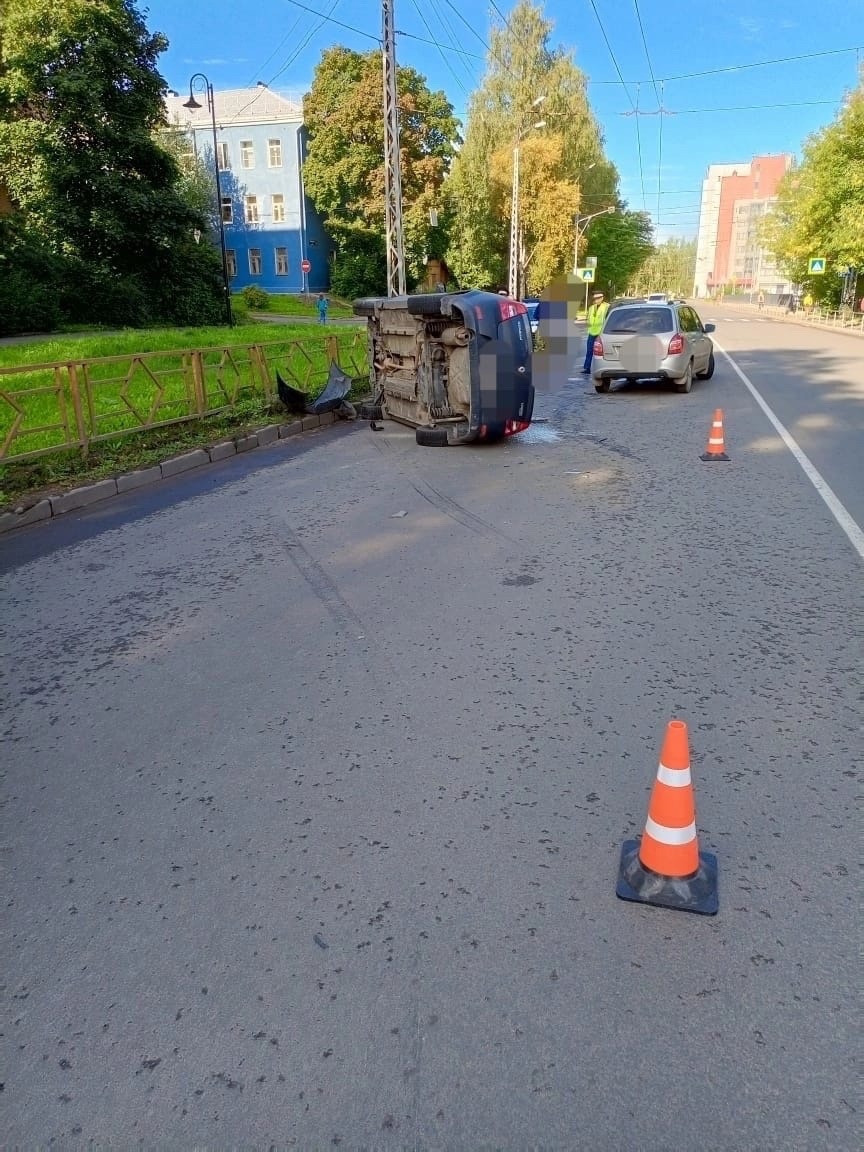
(834,320)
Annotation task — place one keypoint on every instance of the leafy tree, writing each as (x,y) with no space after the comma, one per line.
(621,242)
(522,68)
(670,267)
(80,102)
(820,204)
(344,169)
(546,206)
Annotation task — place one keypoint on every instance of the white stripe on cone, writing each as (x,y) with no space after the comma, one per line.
(674,777)
(674,837)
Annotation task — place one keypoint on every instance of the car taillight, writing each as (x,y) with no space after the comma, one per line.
(676,345)
(510,308)
(598,347)
(514,426)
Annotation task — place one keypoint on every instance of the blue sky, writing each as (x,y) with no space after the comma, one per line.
(280,42)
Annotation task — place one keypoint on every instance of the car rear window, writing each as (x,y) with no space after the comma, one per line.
(644,321)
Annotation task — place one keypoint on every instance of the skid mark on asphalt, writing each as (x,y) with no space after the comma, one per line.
(321,584)
(445,504)
(836,508)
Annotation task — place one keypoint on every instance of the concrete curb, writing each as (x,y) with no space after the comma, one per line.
(51,506)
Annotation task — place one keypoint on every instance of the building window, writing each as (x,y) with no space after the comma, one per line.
(251,209)
(222,157)
(254,261)
(247,154)
(278,209)
(227,210)
(281,261)
(274,153)
(231,261)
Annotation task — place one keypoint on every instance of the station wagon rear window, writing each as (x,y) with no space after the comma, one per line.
(642,321)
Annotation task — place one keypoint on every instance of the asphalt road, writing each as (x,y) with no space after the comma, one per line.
(318,765)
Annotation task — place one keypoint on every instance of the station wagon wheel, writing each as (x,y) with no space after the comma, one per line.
(431,437)
(709,371)
(603,386)
(686,381)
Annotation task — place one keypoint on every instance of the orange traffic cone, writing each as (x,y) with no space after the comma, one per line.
(666,867)
(716,449)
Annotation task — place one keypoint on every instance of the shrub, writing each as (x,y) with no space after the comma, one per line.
(256,298)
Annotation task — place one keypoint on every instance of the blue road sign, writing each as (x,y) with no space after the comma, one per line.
(816,266)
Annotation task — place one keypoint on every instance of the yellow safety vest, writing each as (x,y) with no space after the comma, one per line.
(596,316)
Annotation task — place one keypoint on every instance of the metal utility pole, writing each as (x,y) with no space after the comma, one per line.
(392,174)
(513,279)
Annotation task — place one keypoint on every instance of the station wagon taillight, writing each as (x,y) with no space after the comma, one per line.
(598,347)
(676,345)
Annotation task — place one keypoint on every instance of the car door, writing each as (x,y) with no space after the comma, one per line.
(692,330)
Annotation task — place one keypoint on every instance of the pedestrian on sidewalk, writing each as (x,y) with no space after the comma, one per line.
(322,305)
(761,301)
(596,317)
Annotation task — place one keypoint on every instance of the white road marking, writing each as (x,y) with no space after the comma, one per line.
(836,508)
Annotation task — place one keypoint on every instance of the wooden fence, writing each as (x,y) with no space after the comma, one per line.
(46,408)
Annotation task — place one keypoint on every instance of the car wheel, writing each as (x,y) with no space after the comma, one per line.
(371,412)
(686,381)
(603,386)
(431,437)
(709,371)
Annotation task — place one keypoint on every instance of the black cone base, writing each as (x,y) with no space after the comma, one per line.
(714,456)
(692,894)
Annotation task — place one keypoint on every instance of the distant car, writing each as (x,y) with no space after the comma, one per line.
(643,340)
(532,305)
(664,296)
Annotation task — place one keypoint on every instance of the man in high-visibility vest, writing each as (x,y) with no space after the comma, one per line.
(596,317)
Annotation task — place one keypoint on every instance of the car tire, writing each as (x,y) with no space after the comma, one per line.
(432,437)
(686,381)
(602,386)
(428,304)
(709,371)
(371,412)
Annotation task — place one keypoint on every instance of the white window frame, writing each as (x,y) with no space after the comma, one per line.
(274,145)
(254,258)
(247,153)
(231,261)
(283,253)
(223,156)
(277,204)
(227,210)
(251,213)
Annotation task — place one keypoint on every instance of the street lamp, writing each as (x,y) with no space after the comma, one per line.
(515,226)
(193,105)
(584,221)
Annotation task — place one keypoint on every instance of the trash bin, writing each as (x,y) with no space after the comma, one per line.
(455,366)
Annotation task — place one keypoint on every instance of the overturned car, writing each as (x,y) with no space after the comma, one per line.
(456,366)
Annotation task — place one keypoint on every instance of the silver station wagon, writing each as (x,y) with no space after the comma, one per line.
(647,340)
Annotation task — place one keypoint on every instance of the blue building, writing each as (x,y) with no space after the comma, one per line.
(271,226)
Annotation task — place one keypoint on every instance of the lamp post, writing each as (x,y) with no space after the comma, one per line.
(515,224)
(582,223)
(193,105)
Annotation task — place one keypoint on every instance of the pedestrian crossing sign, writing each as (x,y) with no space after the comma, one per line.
(586,275)
(816,266)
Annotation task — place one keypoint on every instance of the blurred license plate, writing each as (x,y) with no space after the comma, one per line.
(613,352)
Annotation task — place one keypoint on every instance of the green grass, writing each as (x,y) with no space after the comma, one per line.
(150,382)
(298,306)
(134,341)
(26,481)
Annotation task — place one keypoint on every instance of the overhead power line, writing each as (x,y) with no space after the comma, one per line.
(329,19)
(739,67)
(634,106)
(730,108)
